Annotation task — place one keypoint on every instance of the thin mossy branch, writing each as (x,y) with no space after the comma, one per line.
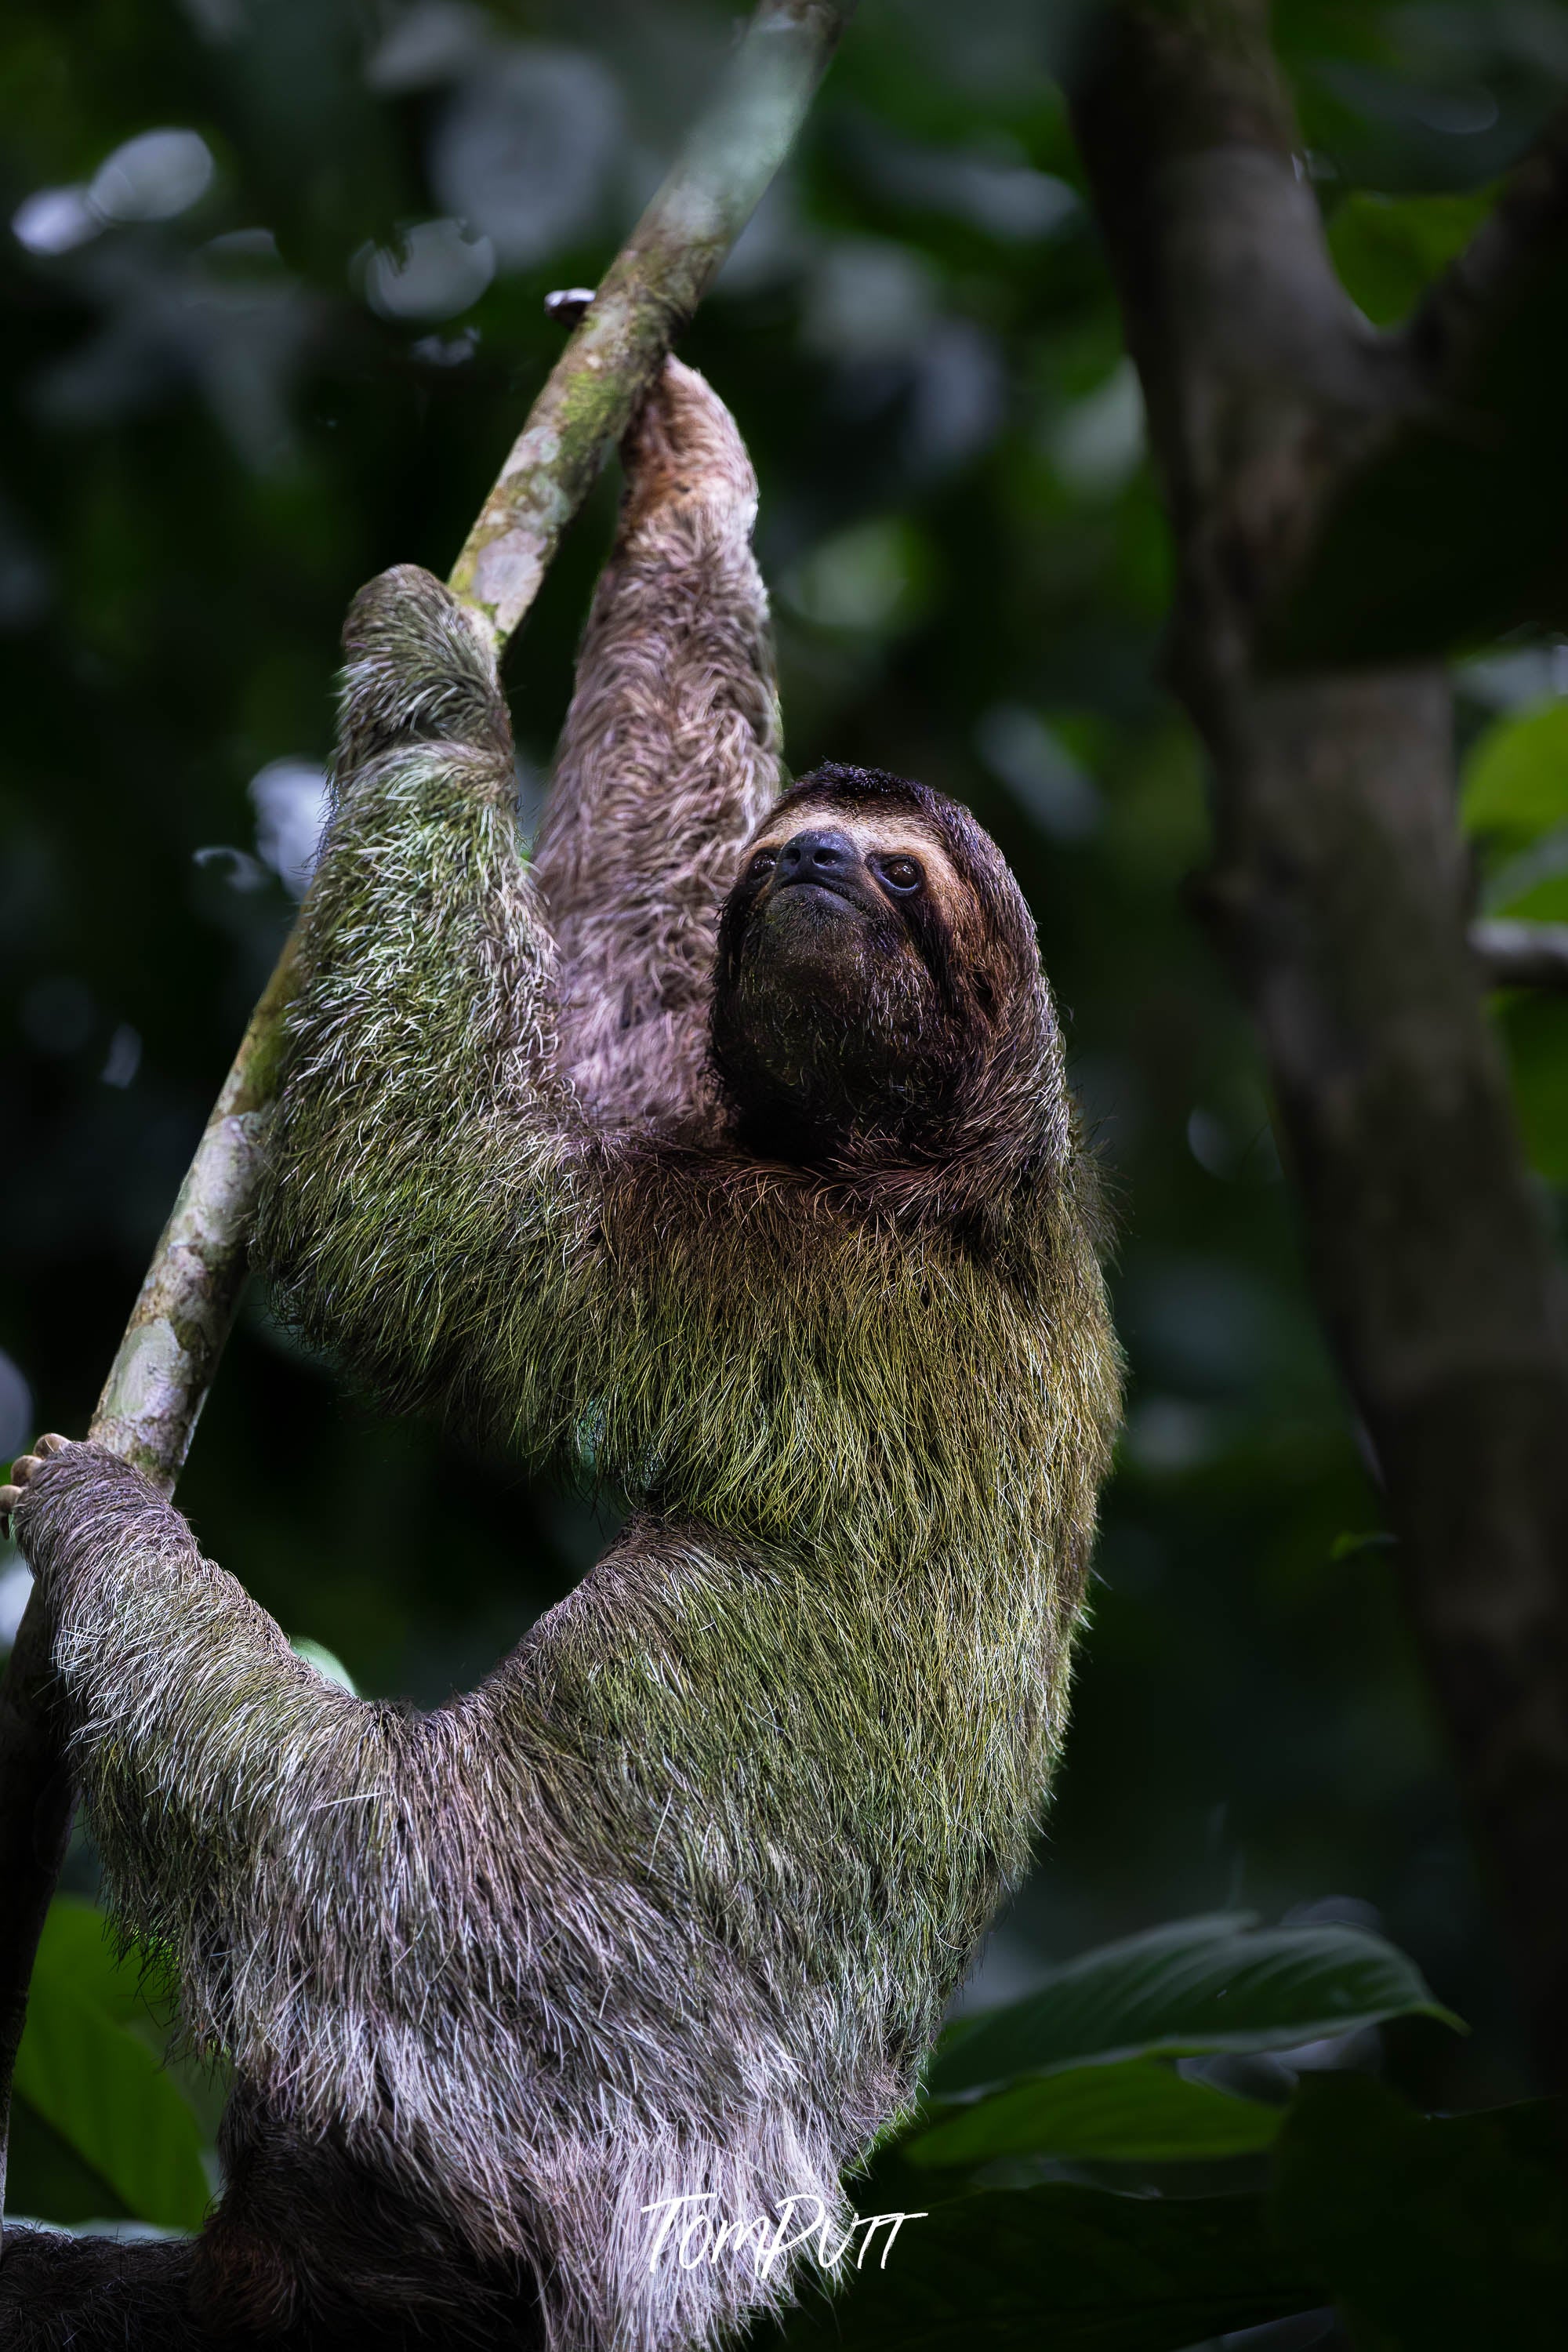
(651,289)
(148,1410)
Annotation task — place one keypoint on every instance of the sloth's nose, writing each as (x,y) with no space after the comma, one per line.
(819,851)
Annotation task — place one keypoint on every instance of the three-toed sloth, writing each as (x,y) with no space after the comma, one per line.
(723,1147)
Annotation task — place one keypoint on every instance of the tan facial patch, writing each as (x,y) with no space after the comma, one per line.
(895,832)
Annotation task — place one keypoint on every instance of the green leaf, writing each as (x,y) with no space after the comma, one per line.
(1217,1983)
(326,1662)
(1526,892)
(76,1955)
(1388,249)
(1437,2235)
(1516,778)
(1514,797)
(98,2083)
(1063,2268)
(1534,1030)
(1140,2111)
(47,2180)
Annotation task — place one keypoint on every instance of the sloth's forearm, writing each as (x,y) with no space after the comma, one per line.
(668,758)
(423,1163)
(426,968)
(191,1720)
(670,751)
(418,1145)
(426,994)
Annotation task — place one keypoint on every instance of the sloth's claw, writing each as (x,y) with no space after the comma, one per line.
(23,1468)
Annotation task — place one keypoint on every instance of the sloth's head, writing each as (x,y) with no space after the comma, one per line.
(877,995)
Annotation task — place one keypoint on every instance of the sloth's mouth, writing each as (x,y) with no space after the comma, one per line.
(830,886)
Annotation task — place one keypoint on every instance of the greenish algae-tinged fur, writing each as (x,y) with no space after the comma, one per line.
(658,284)
(670,1906)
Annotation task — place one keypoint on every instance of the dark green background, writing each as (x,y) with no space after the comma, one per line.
(206,451)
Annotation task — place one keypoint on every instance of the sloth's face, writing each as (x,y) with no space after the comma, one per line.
(837,1011)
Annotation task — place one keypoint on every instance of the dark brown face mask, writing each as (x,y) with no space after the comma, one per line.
(870,1014)
(829,1023)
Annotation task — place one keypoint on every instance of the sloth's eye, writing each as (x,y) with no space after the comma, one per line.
(900,874)
(763,861)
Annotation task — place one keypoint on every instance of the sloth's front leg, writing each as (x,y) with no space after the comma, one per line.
(207,1752)
(668,759)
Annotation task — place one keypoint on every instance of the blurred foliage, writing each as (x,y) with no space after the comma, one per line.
(1219,1983)
(1515,792)
(92,2079)
(1487,457)
(1435,2234)
(1141,2239)
(273,291)
(1514,804)
(1388,249)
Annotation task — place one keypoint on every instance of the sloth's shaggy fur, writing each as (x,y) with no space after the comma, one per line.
(656,790)
(673,1901)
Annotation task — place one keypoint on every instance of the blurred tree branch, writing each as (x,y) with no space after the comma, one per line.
(1337,896)
(1522,955)
(181,1319)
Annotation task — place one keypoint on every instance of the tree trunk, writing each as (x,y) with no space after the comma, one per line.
(1337,897)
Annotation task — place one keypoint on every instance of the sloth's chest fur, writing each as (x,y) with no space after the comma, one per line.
(790,1374)
(805,1709)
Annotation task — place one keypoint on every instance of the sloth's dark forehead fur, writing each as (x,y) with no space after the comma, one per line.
(874,790)
(861,788)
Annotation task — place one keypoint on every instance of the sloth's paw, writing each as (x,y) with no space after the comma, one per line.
(23,1468)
